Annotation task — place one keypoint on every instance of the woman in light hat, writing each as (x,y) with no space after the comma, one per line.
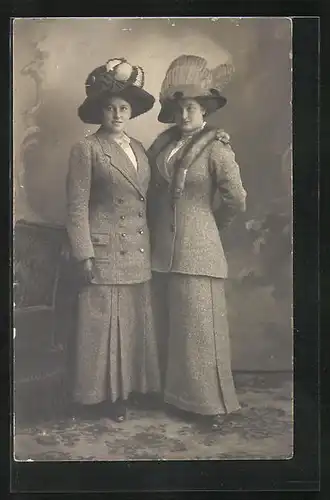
(193,164)
(107,185)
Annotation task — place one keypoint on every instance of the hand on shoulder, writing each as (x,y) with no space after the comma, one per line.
(223,136)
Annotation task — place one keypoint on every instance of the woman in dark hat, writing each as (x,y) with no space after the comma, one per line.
(193,165)
(107,185)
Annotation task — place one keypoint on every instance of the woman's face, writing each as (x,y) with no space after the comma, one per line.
(189,115)
(116,114)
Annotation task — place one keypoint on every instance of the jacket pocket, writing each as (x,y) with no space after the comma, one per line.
(100,243)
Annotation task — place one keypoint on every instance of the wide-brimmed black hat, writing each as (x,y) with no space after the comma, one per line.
(189,78)
(115,78)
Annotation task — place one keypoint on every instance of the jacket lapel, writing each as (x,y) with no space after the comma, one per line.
(161,162)
(120,161)
(159,150)
(143,166)
(140,158)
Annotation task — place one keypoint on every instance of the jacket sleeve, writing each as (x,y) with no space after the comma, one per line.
(78,192)
(226,174)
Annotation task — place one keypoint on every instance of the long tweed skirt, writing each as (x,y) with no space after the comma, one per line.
(116,350)
(196,345)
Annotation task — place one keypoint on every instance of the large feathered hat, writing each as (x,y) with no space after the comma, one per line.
(189,77)
(115,78)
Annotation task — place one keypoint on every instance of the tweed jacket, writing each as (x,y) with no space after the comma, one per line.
(106,209)
(185,233)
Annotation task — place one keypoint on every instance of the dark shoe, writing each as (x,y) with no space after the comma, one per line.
(118,411)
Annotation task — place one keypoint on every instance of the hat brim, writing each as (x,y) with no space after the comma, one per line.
(140,100)
(210,103)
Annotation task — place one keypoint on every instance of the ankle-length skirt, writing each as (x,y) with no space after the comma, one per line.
(194,343)
(116,349)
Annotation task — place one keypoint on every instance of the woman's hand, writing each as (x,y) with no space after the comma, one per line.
(87,271)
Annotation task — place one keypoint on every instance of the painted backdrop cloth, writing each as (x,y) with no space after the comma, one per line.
(194,339)
(116,347)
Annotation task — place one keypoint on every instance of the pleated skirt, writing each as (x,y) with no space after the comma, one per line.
(194,342)
(116,349)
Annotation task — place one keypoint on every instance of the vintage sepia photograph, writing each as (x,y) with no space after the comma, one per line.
(152,239)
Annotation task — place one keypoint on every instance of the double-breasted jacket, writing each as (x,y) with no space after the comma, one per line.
(185,231)
(106,209)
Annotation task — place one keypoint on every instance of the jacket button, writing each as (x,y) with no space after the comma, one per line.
(142,250)
(120,200)
(122,252)
(142,198)
(140,214)
(122,217)
(123,235)
(141,231)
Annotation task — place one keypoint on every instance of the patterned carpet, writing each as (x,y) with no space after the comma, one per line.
(262,430)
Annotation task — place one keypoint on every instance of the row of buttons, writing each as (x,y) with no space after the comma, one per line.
(140,214)
(123,252)
(96,239)
(123,217)
(140,231)
(121,200)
